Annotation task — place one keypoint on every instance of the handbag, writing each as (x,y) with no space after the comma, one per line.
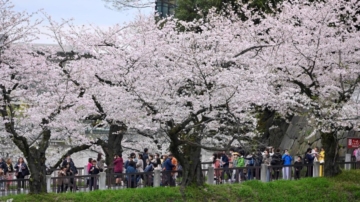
(16,174)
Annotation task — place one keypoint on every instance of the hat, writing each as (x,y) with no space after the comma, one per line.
(235,153)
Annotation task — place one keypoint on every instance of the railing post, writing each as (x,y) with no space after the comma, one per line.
(264,170)
(102,180)
(316,168)
(210,175)
(347,161)
(157,178)
(48,183)
(86,172)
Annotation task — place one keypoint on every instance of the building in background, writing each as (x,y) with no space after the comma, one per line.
(165,7)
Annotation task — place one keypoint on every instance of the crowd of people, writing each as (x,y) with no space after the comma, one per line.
(137,165)
(130,172)
(270,157)
(8,171)
(135,169)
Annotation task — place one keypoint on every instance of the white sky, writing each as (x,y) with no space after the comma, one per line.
(82,11)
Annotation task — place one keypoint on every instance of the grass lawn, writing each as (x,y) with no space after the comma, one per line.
(345,187)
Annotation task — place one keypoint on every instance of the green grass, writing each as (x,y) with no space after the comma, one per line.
(345,187)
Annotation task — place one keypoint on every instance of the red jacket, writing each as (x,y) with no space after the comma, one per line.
(118,165)
(88,167)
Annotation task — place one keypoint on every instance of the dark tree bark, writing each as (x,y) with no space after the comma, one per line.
(190,159)
(331,147)
(36,163)
(113,145)
(35,157)
(188,155)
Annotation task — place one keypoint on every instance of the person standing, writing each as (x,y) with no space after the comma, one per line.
(216,165)
(100,162)
(3,172)
(118,168)
(235,157)
(21,170)
(287,159)
(298,167)
(10,172)
(248,163)
(148,169)
(131,175)
(357,157)
(69,163)
(67,183)
(94,170)
(224,163)
(241,163)
(145,156)
(168,167)
(267,161)
(88,170)
(175,168)
(276,161)
(321,161)
(158,160)
(62,182)
(140,168)
(309,161)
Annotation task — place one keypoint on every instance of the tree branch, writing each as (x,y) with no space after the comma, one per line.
(250,49)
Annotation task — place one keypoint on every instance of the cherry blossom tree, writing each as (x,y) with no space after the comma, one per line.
(105,50)
(188,85)
(39,100)
(315,71)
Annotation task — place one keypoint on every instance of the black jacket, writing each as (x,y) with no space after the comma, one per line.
(71,165)
(4,167)
(24,170)
(276,159)
(298,165)
(94,170)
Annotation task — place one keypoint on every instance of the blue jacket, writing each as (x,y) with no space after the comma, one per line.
(149,168)
(168,165)
(287,159)
(310,158)
(225,160)
(130,170)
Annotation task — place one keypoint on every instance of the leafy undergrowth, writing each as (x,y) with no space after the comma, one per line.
(345,187)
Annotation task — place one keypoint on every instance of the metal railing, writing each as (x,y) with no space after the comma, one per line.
(81,183)
(110,180)
(14,186)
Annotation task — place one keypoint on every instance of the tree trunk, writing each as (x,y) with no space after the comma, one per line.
(331,147)
(36,164)
(190,159)
(192,174)
(113,145)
